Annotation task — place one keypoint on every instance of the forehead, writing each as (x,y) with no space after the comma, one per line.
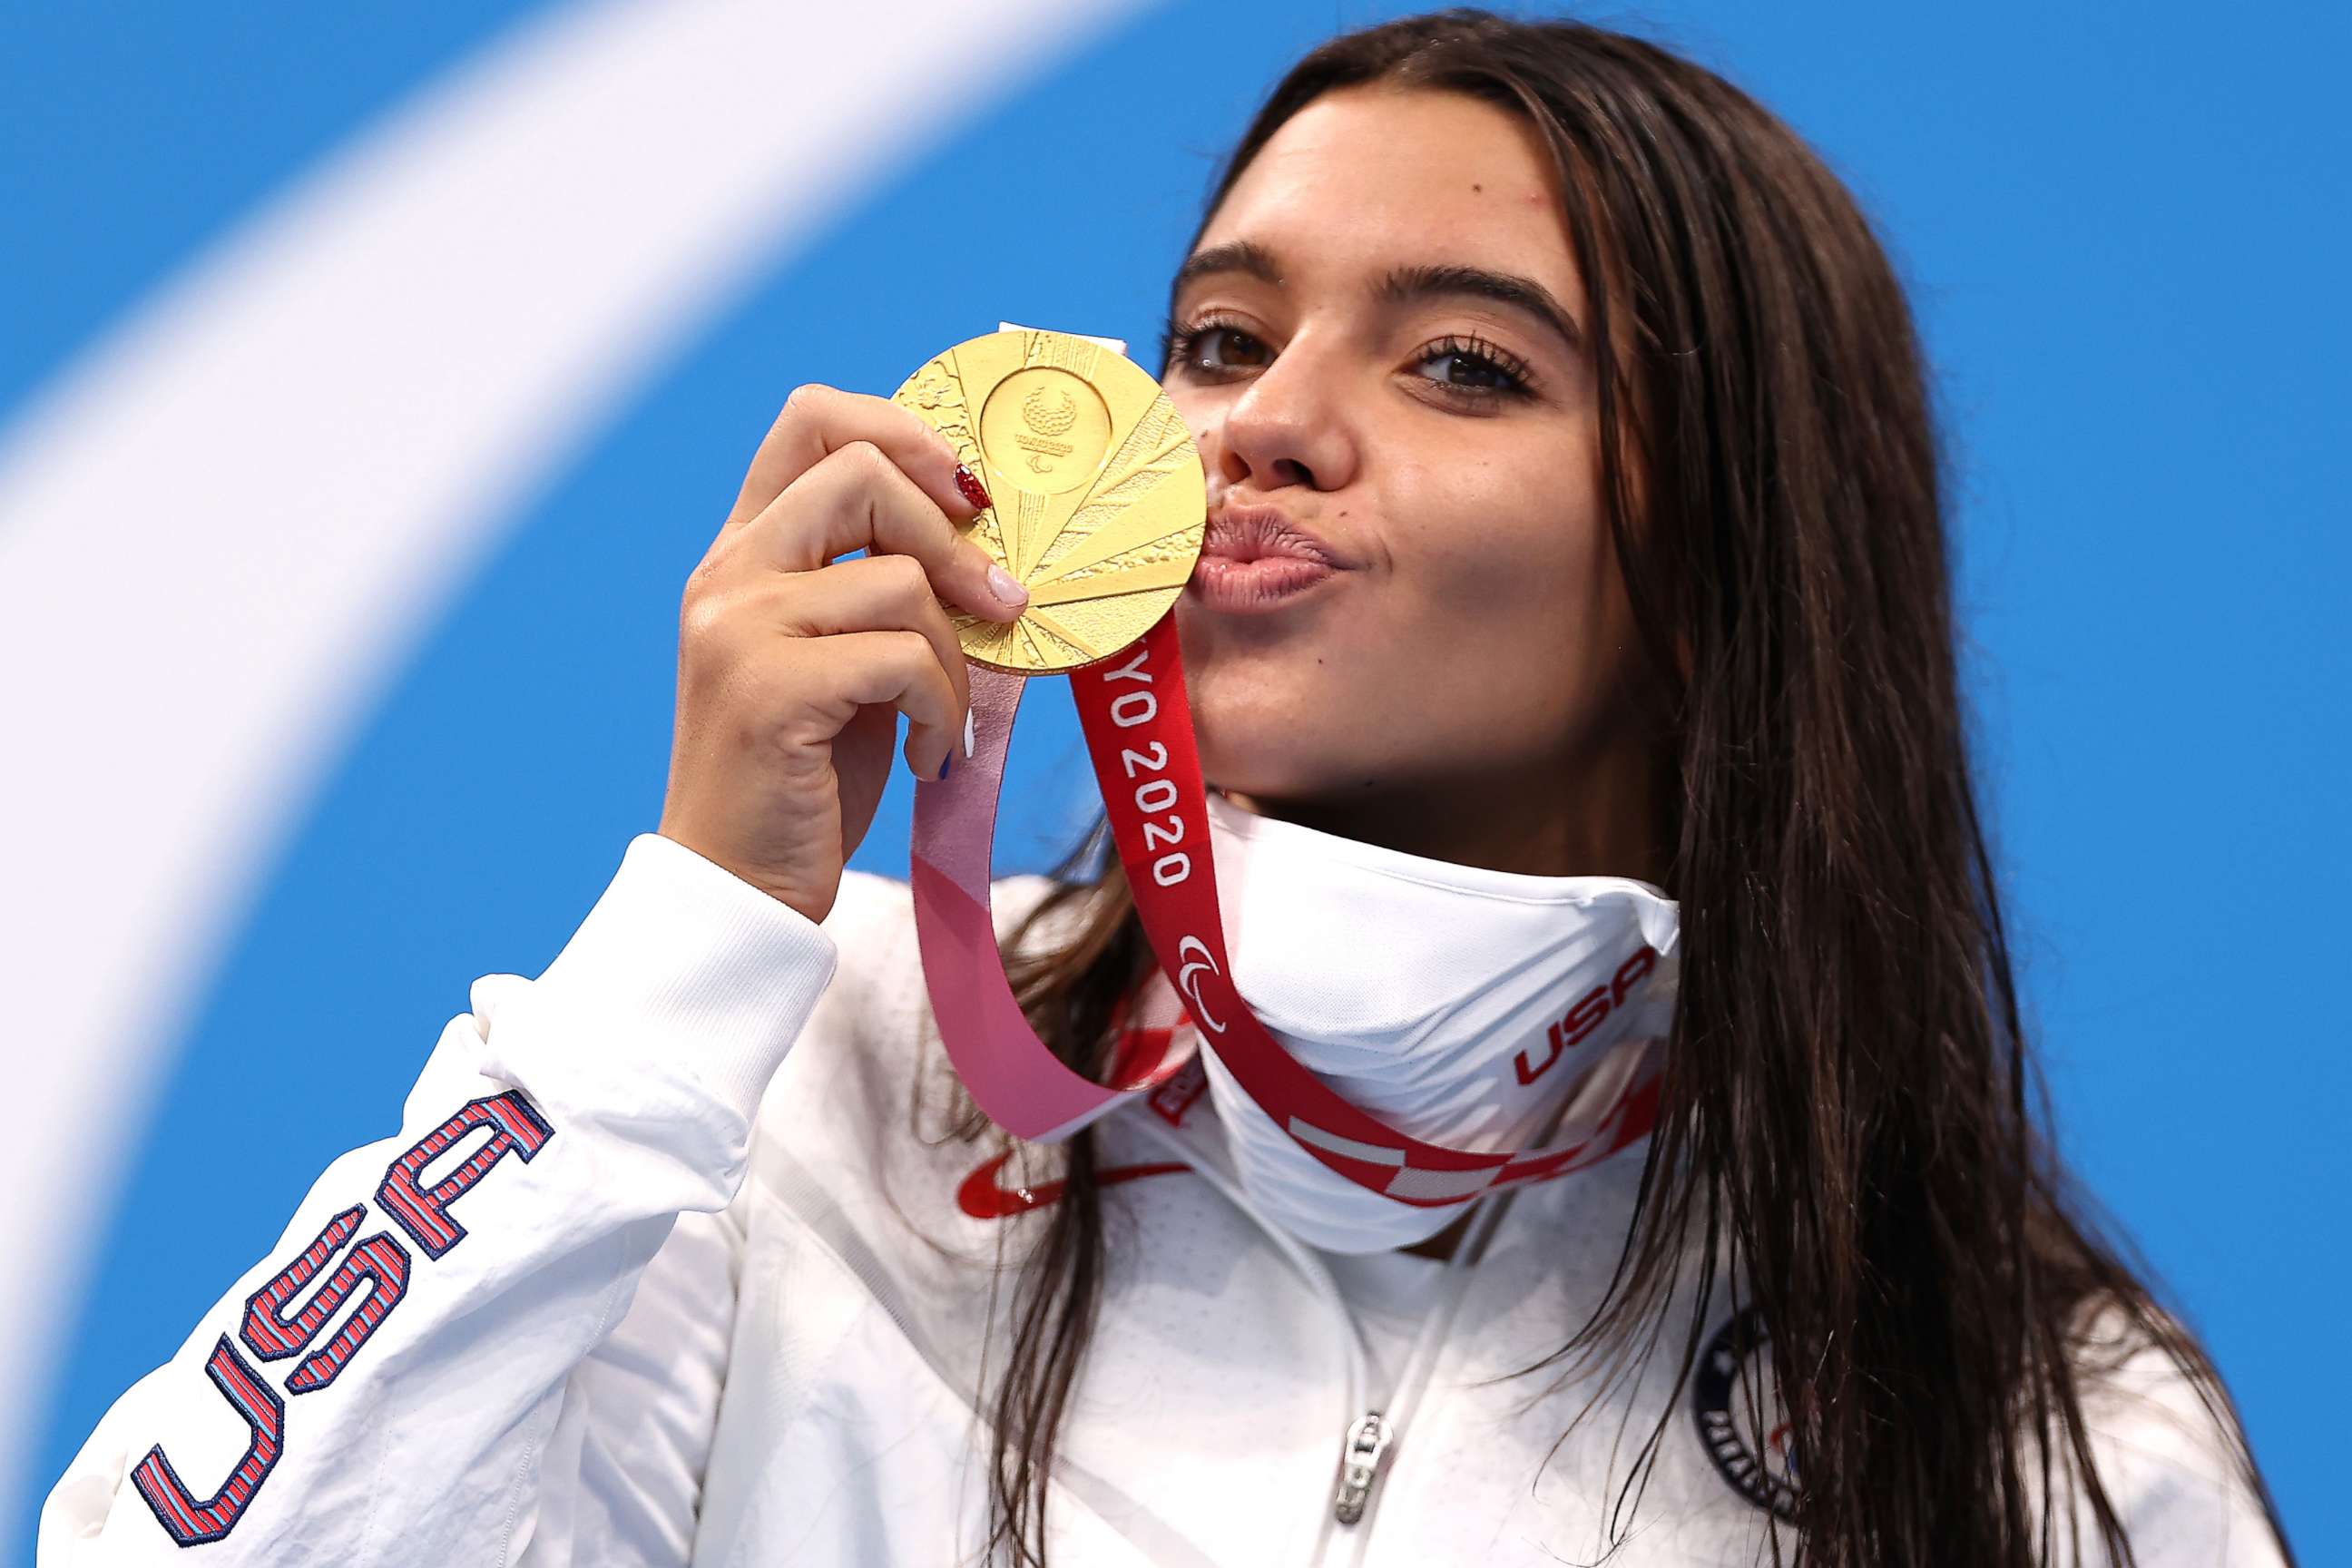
(1366,178)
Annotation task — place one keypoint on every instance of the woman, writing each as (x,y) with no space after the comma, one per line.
(1575,579)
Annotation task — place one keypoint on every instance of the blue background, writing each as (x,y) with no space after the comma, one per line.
(2123,228)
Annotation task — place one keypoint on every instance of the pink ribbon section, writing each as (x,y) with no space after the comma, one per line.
(1023,1087)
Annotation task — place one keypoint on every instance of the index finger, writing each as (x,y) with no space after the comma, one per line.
(857,498)
(817,421)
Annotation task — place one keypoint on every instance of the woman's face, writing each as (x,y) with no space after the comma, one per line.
(1377,345)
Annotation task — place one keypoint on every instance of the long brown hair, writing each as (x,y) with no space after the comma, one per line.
(1848,1105)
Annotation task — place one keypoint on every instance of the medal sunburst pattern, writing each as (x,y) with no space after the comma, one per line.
(1102,561)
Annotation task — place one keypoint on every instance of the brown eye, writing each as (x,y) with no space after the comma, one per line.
(1211,349)
(1474,371)
(1469,370)
(1216,348)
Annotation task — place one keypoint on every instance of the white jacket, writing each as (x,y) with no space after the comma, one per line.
(675,1306)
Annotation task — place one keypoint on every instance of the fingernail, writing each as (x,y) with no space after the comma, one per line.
(967,734)
(968,485)
(1009,594)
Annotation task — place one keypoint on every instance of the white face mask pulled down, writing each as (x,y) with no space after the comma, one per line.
(1425,994)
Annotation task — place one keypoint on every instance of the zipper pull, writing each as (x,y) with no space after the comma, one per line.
(1360,1465)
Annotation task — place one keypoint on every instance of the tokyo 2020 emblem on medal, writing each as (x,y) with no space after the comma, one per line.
(1100,496)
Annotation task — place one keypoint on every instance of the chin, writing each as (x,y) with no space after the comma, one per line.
(1264,732)
(1266,761)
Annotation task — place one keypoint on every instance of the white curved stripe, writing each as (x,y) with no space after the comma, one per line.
(222,529)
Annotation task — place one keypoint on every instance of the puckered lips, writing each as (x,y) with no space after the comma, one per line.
(1256,558)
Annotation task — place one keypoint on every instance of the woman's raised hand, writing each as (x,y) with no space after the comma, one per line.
(793,665)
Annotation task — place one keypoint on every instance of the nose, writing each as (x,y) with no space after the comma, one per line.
(1290,427)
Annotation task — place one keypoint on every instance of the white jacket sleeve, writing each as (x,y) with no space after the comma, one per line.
(499,1336)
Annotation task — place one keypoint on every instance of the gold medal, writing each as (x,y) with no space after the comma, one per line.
(1100,494)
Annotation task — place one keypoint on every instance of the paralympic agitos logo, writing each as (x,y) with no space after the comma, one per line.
(1194,959)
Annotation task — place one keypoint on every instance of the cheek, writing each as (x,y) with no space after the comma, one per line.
(1510,607)
(1508,544)
(1198,410)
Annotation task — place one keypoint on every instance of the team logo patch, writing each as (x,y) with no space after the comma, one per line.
(1731,1385)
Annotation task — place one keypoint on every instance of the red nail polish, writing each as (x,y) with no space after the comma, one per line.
(967,484)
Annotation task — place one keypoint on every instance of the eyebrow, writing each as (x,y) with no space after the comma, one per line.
(1402,285)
